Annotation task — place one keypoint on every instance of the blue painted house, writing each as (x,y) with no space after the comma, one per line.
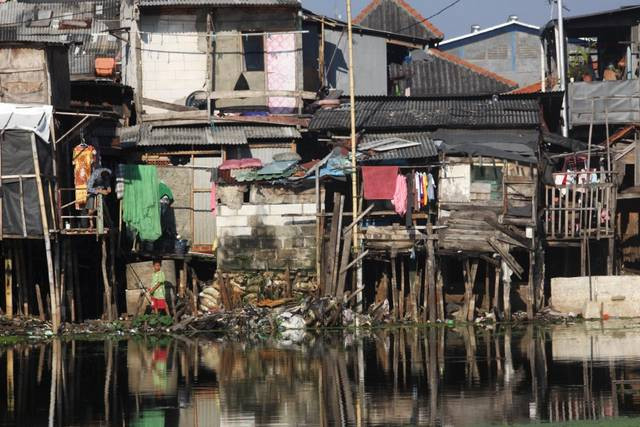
(511,49)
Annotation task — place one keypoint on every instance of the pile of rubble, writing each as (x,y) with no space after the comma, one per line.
(231,290)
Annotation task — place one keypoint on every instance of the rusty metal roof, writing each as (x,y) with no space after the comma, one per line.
(47,22)
(219,3)
(149,136)
(425,148)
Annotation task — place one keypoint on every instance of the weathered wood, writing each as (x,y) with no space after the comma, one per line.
(471,307)
(496,288)
(531,292)
(241,94)
(8,282)
(431,278)
(506,291)
(105,280)
(41,313)
(506,256)
(166,105)
(331,244)
(382,289)
(346,253)
(394,286)
(402,293)
(336,248)
(486,298)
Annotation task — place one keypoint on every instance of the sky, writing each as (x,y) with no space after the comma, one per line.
(486,13)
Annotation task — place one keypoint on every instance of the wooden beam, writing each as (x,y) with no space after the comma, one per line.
(506,257)
(241,94)
(166,105)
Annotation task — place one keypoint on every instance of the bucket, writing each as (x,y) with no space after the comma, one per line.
(181,246)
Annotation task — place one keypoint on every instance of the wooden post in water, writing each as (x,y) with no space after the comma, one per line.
(531,298)
(402,298)
(496,288)
(107,286)
(440,293)
(8,281)
(506,291)
(431,278)
(41,312)
(486,299)
(394,285)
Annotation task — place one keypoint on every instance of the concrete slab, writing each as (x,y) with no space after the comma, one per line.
(619,296)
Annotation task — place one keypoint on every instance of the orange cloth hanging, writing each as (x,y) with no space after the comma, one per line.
(83,158)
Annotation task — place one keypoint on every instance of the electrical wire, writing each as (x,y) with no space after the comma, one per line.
(432,16)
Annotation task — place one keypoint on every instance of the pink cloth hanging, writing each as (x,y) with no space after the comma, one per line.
(400,196)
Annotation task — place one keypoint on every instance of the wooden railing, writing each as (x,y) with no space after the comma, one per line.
(576,211)
(72,222)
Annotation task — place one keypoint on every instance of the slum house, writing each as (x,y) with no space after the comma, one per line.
(32,73)
(592,200)
(325,52)
(481,195)
(85,136)
(511,49)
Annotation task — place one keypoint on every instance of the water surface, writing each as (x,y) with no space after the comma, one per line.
(441,376)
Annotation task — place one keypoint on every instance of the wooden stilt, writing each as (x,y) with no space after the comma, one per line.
(440,294)
(402,280)
(583,256)
(414,292)
(8,281)
(431,278)
(108,311)
(610,256)
(506,292)
(329,259)
(486,299)
(424,284)
(76,283)
(470,268)
(531,300)
(112,273)
(346,253)
(394,286)
(41,312)
(55,316)
(194,290)
(336,248)
(496,288)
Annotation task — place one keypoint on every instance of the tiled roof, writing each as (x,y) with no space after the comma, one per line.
(18,23)
(219,3)
(427,147)
(401,113)
(397,16)
(441,73)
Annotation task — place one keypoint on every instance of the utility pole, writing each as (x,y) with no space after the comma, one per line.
(354,170)
(562,69)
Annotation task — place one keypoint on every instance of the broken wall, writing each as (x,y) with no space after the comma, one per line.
(266,228)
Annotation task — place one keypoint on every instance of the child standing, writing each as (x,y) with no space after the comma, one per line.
(158,301)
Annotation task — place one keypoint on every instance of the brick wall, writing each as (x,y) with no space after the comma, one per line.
(168,74)
(272,234)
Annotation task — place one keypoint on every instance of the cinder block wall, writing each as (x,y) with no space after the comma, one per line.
(275,230)
(174,59)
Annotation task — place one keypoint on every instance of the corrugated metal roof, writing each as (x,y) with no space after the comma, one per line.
(18,23)
(427,147)
(220,3)
(147,135)
(513,144)
(401,113)
(444,74)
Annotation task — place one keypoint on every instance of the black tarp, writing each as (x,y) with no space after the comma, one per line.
(17,159)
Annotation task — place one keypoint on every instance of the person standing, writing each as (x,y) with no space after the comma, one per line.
(158,301)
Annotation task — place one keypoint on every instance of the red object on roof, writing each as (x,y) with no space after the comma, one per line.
(410,10)
(240,164)
(105,67)
(457,60)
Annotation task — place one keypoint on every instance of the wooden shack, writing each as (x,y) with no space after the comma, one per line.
(34,73)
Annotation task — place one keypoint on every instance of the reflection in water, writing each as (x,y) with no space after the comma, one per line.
(461,376)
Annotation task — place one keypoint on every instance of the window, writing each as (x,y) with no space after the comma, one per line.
(253,49)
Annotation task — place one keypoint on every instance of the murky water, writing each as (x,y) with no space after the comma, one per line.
(449,377)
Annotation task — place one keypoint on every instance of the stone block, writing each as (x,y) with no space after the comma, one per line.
(269,243)
(226,211)
(274,220)
(231,221)
(248,209)
(285,209)
(236,231)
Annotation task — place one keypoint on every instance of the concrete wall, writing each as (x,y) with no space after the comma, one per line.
(174,59)
(619,295)
(514,55)
(370,58)
(274,230)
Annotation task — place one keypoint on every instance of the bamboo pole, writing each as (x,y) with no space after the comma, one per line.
(41,312)
(108,311)
(55,313)
(8,282)
(431,262)
(352,110)
(402,298)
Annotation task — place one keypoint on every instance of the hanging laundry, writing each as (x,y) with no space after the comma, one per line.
(431,187)
(380,182)
(141,205)
(400,195)
(120,182)
(84,157)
